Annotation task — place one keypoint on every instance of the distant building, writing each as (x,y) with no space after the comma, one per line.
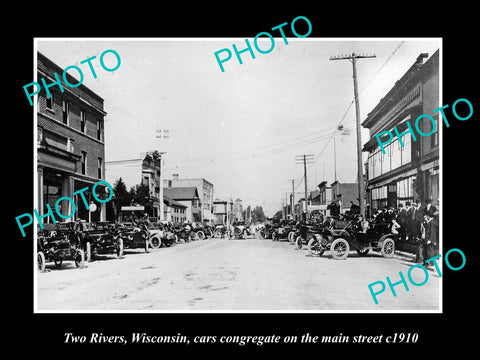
(325,196)
(146,170)
(70,146)
(187,196)
(238,210)
(223,211)
(344,195)
(175,211)
(205,193)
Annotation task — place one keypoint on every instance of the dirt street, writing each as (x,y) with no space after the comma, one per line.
(221,274)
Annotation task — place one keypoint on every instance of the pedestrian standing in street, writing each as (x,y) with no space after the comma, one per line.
(430,241)
(409,221)
(418,220)
(402,221)
(430,209)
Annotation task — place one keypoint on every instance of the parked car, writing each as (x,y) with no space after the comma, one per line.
(160,235)
(133,236)
(220,231)
(265,230)
(240,230)
(99,238)
(305,230)
(347,235)
(58,243)
(283,230)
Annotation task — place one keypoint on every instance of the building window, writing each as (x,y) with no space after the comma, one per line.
(84,162)
(39,135)
(49,102)
(99,166)
(65,113)
(435,136)
(99,130)
(83,121)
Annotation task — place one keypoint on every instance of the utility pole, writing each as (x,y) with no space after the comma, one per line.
(334,159)
(286,206)
(353,58)
(292,203)
(310,160)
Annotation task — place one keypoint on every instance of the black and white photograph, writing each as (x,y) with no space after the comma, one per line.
(253,186)
(299,181)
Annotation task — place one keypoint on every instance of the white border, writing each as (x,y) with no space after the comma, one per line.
(35,191)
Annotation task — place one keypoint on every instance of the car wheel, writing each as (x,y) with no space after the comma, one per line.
(298,243)
(314,247)
(155,242)
(80,259)
(339,249)
(41,261)
(388,248)
(120,249)
(291,238)
(200,235)
(363,252)
(88,252)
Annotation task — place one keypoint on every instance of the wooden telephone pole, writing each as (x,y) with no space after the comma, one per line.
(353,58)
(305,159)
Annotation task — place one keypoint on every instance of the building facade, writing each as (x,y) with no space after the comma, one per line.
(70,146)
(146,170)
(408,172)
(205,193)
(238,210)
(223,211)
(175,211)
(187,196)
(344,195)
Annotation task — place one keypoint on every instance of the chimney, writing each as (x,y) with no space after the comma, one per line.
(175,176)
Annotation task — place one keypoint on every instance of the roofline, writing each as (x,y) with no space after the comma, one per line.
(82,86)
(414,72)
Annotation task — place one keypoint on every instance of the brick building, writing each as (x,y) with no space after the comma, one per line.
(70,145)
(408,172)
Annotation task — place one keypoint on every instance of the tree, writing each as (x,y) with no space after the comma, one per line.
(258,214)
(121,197)
(142,195)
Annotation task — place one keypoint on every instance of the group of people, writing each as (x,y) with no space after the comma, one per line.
(415,222)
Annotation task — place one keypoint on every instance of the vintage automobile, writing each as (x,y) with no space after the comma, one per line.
(57,243)
(305,230)
(133,236)
(240,230)
(160,235)
(99,238)
(265,230)
(199,229)
(184,232)
(345,235)
(209,230)
(283,230)
(220,231)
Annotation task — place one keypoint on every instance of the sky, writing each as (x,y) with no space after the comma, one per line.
(242,128)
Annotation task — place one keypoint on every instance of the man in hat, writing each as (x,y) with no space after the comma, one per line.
(417,226)
(430,242)
(402,221)
(409,220)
